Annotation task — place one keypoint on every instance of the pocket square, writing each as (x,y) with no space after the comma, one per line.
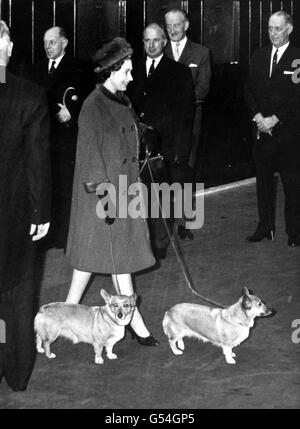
(288,72)
(193,65)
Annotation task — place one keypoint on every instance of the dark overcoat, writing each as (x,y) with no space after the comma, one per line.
(107,147)
(166,102)
(196,57)
(24,176)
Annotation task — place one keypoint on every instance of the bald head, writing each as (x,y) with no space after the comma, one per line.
(6,44)
(55,42)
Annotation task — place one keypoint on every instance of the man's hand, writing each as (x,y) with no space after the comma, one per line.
(39,231)
(63,115)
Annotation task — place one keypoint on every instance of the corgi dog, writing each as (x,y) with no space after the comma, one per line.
(100,326)
(226,328)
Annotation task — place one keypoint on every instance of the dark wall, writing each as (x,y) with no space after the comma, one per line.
(231,29)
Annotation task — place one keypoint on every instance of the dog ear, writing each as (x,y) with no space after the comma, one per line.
(246,302)
(245,291)
(133,299)
(106,296)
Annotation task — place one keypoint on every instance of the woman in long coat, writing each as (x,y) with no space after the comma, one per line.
(107,153)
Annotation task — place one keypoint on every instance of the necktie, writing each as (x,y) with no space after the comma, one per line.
(52,68)
(177,54)
(151,70)
(274,63)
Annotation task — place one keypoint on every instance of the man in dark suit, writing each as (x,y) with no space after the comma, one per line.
(196,57)
(162,95)
(273,100)
(24,213)
(61,75)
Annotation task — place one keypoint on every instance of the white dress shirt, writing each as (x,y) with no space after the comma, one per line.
(57,61)
(149,62)
(279,54)
(178,45)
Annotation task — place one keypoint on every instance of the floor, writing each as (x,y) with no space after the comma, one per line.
(221,263)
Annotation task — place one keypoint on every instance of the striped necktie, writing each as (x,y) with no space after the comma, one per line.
(177,53)
(274,62)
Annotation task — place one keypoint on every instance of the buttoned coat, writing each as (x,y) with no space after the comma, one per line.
(107,149)
(196,57)
(24,176)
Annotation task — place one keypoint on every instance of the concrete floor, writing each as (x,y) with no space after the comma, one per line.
(221,263)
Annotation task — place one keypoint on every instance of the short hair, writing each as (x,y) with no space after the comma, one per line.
(4,30)
(61,31)
(288,18)
(176,10)
(156,26)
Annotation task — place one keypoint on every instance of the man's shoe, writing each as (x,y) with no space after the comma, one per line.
(294,241)
(259,236)
(184,233)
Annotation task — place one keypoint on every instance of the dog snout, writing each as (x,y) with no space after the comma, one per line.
(269,311)
(120,315)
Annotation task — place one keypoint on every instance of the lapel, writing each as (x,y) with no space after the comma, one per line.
(284,63)
(168,50)
(156,79)
(187,53)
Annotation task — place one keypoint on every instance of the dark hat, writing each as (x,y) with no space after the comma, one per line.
(111,53)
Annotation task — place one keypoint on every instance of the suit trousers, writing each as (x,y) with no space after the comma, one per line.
(272,155)
(159,227)
(17,341)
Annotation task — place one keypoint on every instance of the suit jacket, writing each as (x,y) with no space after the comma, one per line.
(165,101)
(277,95)
(24,176)
(196,57)
(67,74)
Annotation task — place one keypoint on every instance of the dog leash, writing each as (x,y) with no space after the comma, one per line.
(178,252)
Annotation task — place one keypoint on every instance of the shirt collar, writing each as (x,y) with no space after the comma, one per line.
(156,60)
(181,43)
(281,49)
(57,61)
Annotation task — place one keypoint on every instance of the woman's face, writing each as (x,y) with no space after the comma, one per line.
(119,80)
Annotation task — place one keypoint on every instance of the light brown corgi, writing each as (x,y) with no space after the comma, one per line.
(100,326)
(225,328)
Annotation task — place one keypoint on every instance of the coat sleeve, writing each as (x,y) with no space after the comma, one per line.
(36,135)
(202,80)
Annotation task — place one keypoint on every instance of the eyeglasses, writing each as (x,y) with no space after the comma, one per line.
(175,26)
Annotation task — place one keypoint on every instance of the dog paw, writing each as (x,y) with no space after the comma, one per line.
(230,360)
(177,352)
(40,350)
(99,360)
(51,356)
(233,355)
(112,356)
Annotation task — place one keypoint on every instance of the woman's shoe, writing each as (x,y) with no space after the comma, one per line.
(144,341)
(147,341)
